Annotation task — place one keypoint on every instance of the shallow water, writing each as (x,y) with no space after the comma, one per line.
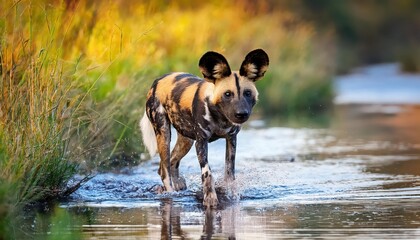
(357,177)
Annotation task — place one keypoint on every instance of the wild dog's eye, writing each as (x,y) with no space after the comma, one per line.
(228,94)
(247,93)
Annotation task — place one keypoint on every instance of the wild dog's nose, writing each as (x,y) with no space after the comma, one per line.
(242,115)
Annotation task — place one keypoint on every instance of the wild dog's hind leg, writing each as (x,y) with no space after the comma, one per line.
(163,141)
(163,136)
(182,146)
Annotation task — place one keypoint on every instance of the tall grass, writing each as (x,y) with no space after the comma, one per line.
(37,98)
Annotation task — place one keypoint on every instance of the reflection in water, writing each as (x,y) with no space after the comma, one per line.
(171,220)
(208,226)
(219,222)
(215,222)
(370,218)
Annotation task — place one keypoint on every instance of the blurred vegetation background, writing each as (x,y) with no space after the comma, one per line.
(367,31)
(74,73)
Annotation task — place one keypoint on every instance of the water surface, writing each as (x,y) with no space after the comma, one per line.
(357,177)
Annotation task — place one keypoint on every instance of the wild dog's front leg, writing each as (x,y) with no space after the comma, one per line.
(210,197)
(230,158)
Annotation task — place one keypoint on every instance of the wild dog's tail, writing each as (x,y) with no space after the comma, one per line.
(149,137)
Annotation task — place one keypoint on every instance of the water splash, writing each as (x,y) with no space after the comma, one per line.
(265,172)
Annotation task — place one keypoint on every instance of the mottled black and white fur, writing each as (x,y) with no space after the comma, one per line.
(201,110)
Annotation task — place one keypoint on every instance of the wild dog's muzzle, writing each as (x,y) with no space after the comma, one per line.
(241,116)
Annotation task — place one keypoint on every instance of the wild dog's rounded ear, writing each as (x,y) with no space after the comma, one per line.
(255,65)
(214,66)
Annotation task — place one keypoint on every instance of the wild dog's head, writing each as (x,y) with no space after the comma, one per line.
(234,92)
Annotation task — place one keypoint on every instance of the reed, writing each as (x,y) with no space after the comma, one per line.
(35,102)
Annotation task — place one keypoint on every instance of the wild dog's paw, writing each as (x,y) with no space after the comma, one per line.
(210,199)
(158,189)
(179,183)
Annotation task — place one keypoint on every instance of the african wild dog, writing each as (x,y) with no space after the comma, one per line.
(203,110)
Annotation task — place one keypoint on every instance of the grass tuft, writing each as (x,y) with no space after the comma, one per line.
(37,95)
